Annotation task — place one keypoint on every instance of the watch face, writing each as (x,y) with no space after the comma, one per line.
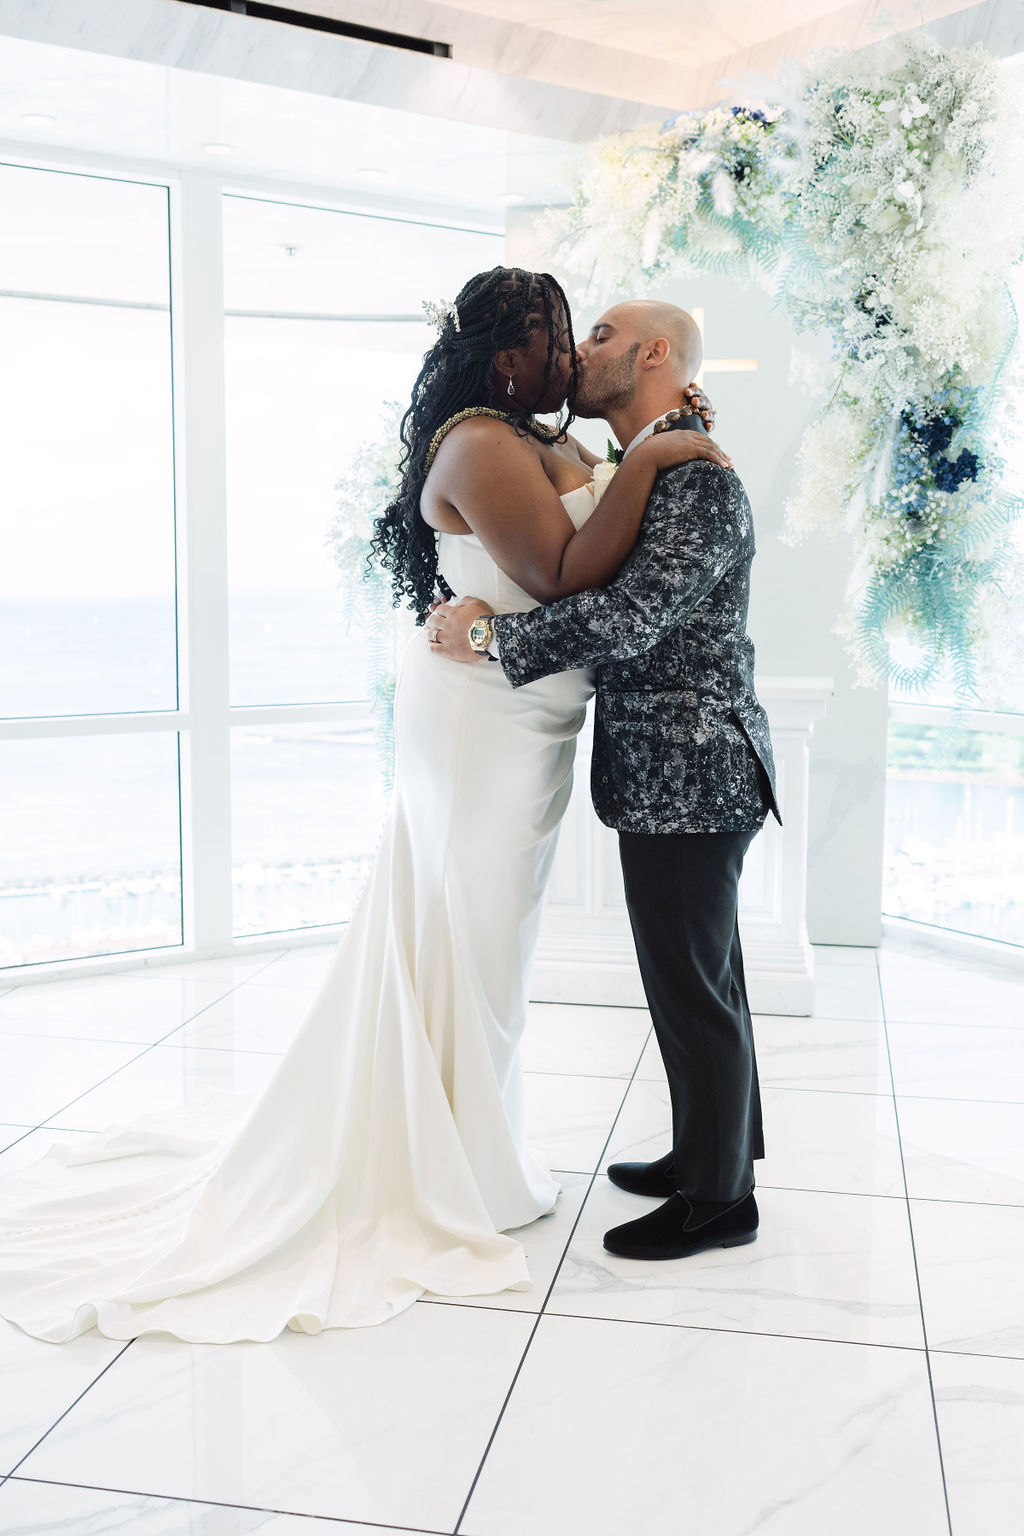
(480,633)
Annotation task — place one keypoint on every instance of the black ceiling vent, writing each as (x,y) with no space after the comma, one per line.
(327,24)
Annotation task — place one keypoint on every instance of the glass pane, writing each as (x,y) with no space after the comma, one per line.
(308,802)
(287,257)
(305,399)
(955,829)
(91,852)
(87,603)
(85,237)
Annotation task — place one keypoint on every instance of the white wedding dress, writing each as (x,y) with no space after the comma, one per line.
(385,1157)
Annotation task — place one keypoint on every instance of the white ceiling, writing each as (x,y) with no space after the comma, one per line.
(676,53)
(692,33)
(157,115)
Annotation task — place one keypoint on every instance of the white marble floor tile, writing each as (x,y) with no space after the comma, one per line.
(651,1068)
(598,1042)
(11,1132)
(55,1509)
(39,1382)
(844,1142)
(163,1078)
(33,1145)
(38,1076)
(234,969)
(823,1266)
(383,1424)
(131,1008)
(568,1118)
(970,1259)
(944,995)
(831,1141)
(250,1019)
(303,967)
(848,1055)
(545,1242)
(616,1429)
(956,1150)
(847,992)
(957,1062)
(980,1408)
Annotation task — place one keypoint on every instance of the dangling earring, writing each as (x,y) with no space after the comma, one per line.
(511,386)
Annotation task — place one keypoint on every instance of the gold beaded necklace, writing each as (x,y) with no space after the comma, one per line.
(536,428)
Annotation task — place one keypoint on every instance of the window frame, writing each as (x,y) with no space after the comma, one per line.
(205,718)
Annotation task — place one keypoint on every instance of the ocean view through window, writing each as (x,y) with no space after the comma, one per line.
(108,771)
(90,837)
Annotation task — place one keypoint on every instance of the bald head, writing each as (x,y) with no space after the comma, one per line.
(636,363)
(651,320)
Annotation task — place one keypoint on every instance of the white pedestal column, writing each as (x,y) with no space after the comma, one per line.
(586,953)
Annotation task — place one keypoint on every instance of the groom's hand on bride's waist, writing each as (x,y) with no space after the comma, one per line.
(461,630)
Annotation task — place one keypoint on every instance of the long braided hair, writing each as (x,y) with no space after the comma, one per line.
(497,310)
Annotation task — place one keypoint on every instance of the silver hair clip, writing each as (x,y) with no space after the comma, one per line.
(437,314)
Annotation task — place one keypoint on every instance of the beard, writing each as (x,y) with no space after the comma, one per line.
(608,386)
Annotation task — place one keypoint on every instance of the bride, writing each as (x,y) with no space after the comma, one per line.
(385,1158)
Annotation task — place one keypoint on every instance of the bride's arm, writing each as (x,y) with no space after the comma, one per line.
(495,481)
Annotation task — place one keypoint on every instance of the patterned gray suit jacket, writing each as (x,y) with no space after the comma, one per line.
(681,743)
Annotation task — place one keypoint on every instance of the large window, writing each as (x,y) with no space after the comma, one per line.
(89,813)
(954,855)
(134,813)
(955,820)
(324,328)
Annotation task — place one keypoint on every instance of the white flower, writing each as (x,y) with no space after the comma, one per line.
(723,191)
(603,473)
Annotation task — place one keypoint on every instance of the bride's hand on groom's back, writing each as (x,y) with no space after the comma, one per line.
(672,447)
(696,402)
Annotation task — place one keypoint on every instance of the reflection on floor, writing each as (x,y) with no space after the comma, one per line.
(860,1368)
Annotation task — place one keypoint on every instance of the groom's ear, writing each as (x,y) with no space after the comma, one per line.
(654,353)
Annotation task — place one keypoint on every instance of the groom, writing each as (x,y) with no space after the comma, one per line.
(682,770)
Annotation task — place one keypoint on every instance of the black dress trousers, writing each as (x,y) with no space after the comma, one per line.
(682,898)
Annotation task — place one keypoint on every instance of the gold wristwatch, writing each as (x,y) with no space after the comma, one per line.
(481,633)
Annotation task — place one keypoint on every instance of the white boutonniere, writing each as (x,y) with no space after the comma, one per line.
(603,473)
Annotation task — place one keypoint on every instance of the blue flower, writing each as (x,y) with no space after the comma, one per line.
(949,474)
(935,434)
(749,116)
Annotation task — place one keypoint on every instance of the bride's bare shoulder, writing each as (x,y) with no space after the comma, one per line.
(474,432)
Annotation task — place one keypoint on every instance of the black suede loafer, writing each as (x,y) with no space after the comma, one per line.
(657,1179)
(682,1227)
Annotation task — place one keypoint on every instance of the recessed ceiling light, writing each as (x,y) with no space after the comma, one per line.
(512,197)
(218,149)
(370,173)
(37,119)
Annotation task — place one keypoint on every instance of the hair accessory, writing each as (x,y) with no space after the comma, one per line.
(438,313)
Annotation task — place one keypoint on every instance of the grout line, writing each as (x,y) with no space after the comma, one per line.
(944,1098)
(144,1052)
(917,1272)
(161,1044)
(1007,1029)
(547,1294)
(261,1509)
(740,1333)
(973,1354)
(67,1410)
